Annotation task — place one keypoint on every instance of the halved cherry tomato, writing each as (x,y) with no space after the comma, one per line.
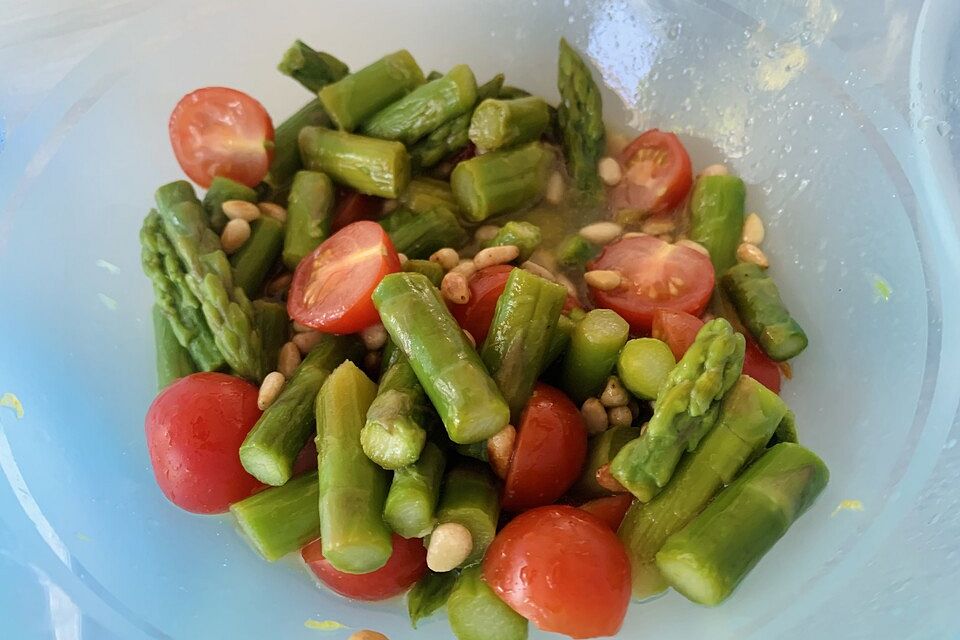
(216,131)
(306,460)
(406,565)
(609,509)
(332,286)
(562,569)
(760,367)
(656,275)
(657,174)
(677,328)
(550,451)
(353,206)
(194,429)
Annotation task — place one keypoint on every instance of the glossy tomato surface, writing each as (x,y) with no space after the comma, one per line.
(486,285)
(406,565)
(353,206)
(609,509)
(657,174)
(677,328)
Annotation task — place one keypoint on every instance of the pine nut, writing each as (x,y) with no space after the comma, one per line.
(500,450)
(450,544)
(454,288)
(545,259)
(614,395)
(753,231)
(715,170)
(273,210)
(301,328)
(606,480)
(659,225)
(390,205)
(289,359)
(555,188)
(446,258)
(270,388)
(486,233)
(240,210)
(470,338)
(601,233)
(603,280)
(371,361)
(465,268)
(620,417)
(696,246)
(279,285)
(538,270)
(786,370)
(634,234)
(374,337)
(235,233)
(306,341)
(610,171)
(367,634)
(496,255)
(753,254)
(594,416)
(402,257)
(568,284)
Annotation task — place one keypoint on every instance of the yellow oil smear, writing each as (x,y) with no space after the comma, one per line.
(323,625)
(109,266)
(776,72)
(107,301)
(847,505)
(11,401)
(82,537)
(882,288)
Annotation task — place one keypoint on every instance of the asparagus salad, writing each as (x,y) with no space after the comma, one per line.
(443,338)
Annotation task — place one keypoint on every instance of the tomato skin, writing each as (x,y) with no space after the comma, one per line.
(217,131)
(194,430)
(550,451)
(486,285)
(332,286)
(677,329)
(657,174)
(609,509)
(656,275)
(353,206)
(406,566)
(562,569)
(760,367)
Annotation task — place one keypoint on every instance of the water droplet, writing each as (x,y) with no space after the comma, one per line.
(674,31)
(787,148)
(781,175)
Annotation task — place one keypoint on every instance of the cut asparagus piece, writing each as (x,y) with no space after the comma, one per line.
(313,69)
(353,489)
(432,270)
(369,165)
(418,235)
(576,251)
(716,218)
(281,519)
(504,123)
(269,450)
(523,324)
(448,367)
(309,210)
(592,354)
(221,190)
(286,147)
(559,341)
(423,194)
(708,558)
(601,450)
(477,613)
(787,430)
(173,360)
(501,181)
(393,434)
(469,497)
(748,417)
(429,594)
(523,235)
(273,325)
(425,108)
(411,504)
(643,365)
(757,299)
(259,253)
(580,118)
(353,99)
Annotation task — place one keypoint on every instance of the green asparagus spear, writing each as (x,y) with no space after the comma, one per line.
(559,341)
(286,147)
(411,504)
(259,253)
(418,235)
(452,136)
(643,365)
(174,298)
(469,497)
(503,123)
(353,489)
(748,417)
(592,354)
(393,435)
(757,299)
(501,181)
(207,273)
(430,594)
(309,209)
(173,360)
(786,430)
(269,450)
(523,235)
(423,194)
(434,75)
(355,98)
(523,324)
(716,218)
(313,69)
(581,121)
(576,251)
(425,108)
(601,450)
(708,558)
(467,399)
(369,165)
(509,92)
(477,613)
(221,190)
(281,519)
(686,409)
(273,325)
(432,270)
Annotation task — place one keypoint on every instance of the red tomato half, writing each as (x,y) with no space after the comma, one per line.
(217,131)
(353,206)
(677,329)
(562,569)
(332,286)
(550,451)
(194,430)
(657,174)
(486,285)
(609,509)
(656,275)
(760,367)
(406,565)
